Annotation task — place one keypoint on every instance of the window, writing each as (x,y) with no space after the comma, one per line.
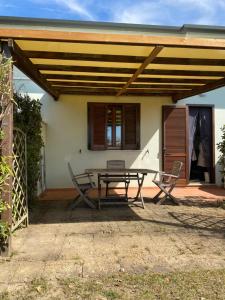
(113,126)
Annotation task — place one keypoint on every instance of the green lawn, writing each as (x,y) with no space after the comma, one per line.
(198,285)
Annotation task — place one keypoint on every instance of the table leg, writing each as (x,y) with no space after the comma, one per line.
(140,181)
(99,191)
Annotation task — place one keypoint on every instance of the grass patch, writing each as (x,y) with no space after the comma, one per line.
(111,295)
(197,285)
(4,295)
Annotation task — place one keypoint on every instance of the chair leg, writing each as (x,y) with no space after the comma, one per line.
(174,200)
(142,201)
(85,199)
(99,204)
(168,194)
(107,189)
(157,195)
(126,190)
(76,201)
(161,200)
(89,203)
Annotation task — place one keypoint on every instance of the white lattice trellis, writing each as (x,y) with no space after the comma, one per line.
(19,201)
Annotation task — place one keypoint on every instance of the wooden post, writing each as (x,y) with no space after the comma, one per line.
(7,128)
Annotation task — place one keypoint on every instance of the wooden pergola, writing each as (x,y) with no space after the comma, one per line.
(95,62)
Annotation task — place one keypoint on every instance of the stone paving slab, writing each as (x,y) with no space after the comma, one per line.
(117,239)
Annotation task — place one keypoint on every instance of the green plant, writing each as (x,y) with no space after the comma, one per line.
(4,231)
(221,148)
(5,171)
(27,117)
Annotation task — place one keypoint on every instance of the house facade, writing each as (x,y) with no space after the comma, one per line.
(65,131)
(144,119)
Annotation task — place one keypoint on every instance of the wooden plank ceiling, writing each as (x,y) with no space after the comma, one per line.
(113,69)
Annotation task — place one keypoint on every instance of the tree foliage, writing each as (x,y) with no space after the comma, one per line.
(27,117)
(221,148)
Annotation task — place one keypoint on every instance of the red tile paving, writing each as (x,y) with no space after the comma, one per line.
(193,193)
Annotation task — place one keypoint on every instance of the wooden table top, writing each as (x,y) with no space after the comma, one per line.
(131,170)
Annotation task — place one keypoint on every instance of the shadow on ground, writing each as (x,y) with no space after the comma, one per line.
(169,215)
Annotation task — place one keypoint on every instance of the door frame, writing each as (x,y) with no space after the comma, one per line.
(213,168)
(212,173)
(187,138)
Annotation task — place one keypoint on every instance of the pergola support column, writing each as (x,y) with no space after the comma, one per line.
(7,142)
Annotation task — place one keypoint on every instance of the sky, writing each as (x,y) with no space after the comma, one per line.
(155,12)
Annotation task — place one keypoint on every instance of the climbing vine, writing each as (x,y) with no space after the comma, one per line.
(27,117)
(5,171)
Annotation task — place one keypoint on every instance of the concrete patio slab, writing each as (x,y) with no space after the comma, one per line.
(60,242)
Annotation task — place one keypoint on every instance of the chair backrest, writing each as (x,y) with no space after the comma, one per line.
(176,168)
(72,175)
(115,164)
(70,170)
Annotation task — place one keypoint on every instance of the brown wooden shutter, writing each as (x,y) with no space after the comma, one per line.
(131,126)
(96,126)
(175,139)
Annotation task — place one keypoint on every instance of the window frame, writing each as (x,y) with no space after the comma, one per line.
(126,109)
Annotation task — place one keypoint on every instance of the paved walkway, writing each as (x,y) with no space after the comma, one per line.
(85,242)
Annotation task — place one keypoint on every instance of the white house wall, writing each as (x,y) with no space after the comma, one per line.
(66,131)
(67,137)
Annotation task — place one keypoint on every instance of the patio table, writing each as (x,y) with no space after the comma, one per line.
(131,174)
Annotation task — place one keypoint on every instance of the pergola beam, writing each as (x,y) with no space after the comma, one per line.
(112,70)
(25,65)
(189,61)
(123,58)
(110,38)
(120,85)
(146,62)
(51,77)
(85,56)
(103,93)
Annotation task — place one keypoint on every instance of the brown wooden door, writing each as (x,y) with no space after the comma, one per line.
(175,139)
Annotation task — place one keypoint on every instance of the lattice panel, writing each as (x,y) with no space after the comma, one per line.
(20,207)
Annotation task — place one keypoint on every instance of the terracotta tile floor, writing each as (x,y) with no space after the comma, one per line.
(193,194)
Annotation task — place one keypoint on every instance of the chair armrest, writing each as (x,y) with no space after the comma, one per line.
(169,175)
(82,175)
(86,175)
(160,173)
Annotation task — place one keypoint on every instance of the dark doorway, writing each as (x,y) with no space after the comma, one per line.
(201,144)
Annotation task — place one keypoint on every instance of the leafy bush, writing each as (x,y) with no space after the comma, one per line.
(221,148)
(27,117)
(5,171)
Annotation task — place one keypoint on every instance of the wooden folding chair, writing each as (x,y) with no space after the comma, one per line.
(167,182)
(82,187)
(116,164)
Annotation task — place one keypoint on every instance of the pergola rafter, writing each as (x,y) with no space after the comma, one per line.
(24,64)
(69,61)
(145,63)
